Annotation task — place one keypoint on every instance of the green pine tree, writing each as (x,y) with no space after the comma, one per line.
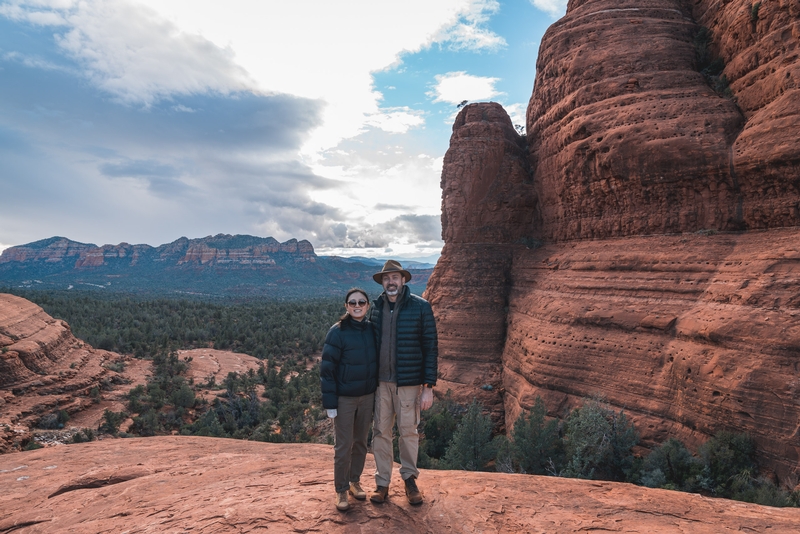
(471,447)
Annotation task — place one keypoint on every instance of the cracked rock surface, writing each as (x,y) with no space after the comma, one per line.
(179,484)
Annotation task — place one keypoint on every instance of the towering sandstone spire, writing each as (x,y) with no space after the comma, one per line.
(641,242)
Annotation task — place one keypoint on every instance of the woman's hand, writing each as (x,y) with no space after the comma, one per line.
(332,413)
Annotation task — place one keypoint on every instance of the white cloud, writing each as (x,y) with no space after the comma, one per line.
(396,120)
(3,247)
(455,87)
(517,113)
(144,50)
(554,7)
(469,33)
(132,52)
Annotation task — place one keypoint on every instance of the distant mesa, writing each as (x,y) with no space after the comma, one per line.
(223,265)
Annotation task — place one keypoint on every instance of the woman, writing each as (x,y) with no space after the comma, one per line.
(349,378)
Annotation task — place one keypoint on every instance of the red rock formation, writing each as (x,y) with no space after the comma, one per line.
(212,250)
(43,368)
(626,135)
(761,47)
(487,203)
(53,250)
(30,340)
(636,165)
(170,484)
(688,334)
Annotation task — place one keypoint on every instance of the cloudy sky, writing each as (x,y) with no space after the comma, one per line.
(142,121)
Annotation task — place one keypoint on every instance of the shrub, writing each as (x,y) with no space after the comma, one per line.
(725,457)
(754,12)
(470,449)
(82,436)
(54,420)
(111,421)
(536,442)
(670,466)
(504,454)
(183,397)
(32,445)
(598,443)
(438,426)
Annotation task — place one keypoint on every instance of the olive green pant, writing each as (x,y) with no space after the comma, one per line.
(351,425)
(401,403)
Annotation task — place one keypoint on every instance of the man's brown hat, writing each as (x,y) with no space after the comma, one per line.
(391,266)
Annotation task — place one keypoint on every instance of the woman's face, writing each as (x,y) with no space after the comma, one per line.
(357,305)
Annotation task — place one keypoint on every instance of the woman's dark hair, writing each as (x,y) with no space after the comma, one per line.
(346,316)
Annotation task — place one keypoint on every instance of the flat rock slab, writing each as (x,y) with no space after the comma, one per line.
(205,485)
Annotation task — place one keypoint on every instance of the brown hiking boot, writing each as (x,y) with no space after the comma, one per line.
(341,501)
(412,492)
(356,491)
(380,494)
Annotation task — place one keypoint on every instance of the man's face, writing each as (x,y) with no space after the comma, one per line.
(393,283)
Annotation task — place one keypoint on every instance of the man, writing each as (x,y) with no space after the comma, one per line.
(408,352)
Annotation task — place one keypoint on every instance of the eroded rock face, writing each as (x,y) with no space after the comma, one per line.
(488,203)
(626,135)
(179,483)
(668,279)
(761,48)
(688,334)
(30,340)
(43,369)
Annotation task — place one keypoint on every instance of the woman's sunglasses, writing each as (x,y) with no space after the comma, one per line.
(360,302)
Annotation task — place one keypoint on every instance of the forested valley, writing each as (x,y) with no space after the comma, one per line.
(281,401)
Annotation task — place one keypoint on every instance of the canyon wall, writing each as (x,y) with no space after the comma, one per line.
(643,245)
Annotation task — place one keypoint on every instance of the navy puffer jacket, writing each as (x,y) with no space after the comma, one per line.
(349,365)
(417,342)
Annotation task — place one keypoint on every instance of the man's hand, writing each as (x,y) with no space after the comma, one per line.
(427,399)
(332,413)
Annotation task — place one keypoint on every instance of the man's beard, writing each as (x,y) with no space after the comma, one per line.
(391,289)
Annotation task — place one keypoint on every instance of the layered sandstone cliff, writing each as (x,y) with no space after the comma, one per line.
(645,247)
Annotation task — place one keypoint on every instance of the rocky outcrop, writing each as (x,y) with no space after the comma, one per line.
(43,369)
(650,254)
(487,204)
(177,483)
(30,340)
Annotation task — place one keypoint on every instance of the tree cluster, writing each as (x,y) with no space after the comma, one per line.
(594,442)
(129,325)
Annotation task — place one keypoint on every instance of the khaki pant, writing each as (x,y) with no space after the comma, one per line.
(401,403)
(351,424)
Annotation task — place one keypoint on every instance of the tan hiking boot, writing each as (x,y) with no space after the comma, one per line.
(357,492)
(341,501)
(380,494)
(412,492)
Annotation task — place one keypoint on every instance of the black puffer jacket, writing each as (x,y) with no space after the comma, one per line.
(417,341)
(349,365)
